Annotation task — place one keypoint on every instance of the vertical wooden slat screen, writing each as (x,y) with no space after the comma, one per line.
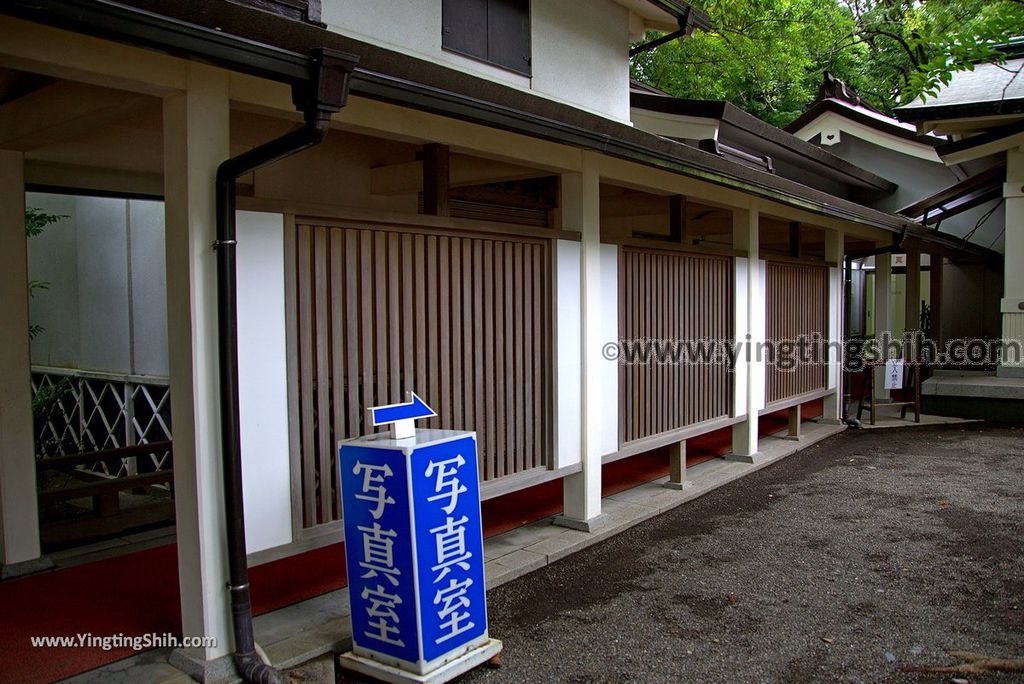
(796,305)
(465,321)
(673,296)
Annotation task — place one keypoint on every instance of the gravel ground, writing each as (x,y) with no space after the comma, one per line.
(871,551)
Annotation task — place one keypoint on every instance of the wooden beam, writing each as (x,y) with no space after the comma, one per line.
(41,173)
(677,219)
(436,179)
(407,178)
(28,46)
(795,246)
(63,111)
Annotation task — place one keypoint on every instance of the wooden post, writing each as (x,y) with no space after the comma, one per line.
(935,295)
(749,376)
(1012,303)
(832,408)
(581,492)
(19,519)
(794,432)
(795,246)
(677,219)
(436,179)
(677,466)
(912,316)
(196,141)
(883,320)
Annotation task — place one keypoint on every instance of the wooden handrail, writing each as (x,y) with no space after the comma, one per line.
(71,460)
(78,491)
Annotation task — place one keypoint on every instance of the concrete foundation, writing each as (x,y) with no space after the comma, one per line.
(979,395)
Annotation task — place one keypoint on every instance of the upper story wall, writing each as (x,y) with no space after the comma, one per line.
(579,48)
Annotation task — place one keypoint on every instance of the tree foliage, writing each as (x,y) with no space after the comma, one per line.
(36,221)
(768,56)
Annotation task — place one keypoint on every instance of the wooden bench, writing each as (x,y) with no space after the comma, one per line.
(108,516)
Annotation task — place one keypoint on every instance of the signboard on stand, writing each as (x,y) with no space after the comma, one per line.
(414,548)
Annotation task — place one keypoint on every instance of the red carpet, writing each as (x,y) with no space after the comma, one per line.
(137,593)
(132,595)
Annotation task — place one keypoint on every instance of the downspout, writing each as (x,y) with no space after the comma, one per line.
(318,98)
(685,23)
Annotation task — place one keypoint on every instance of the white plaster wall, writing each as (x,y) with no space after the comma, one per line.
(581,54)
(106,307)
(606,375)
(149,287)
(579,47)
(759,334)
(52,257)
(103,284)
(263,381)
(567,360)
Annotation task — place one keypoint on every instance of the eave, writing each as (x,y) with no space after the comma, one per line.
(733,116)
(392,77)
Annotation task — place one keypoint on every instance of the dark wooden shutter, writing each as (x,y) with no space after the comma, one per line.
(299,10)
(508,34)
(494,31)
(464,27)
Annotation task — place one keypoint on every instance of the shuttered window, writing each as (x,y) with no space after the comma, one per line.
(494,31)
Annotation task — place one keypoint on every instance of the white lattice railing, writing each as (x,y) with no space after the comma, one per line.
(79,411)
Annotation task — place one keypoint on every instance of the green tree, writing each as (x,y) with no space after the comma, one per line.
(36,221)
(768,56)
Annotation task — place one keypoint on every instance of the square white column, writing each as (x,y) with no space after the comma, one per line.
(581,210)
(1012,304)
(196,137)
(19,510)
(749,374)
(832,409)
(883,317)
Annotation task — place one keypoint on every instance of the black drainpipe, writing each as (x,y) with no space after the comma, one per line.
(323,95)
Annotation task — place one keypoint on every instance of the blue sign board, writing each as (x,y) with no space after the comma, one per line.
(414,547)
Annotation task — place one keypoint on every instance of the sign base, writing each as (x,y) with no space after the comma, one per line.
(445,673)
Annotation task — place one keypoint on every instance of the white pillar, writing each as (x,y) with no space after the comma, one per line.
(19,511)
(749,376)
(581,210)
(196,133)
(883,320)
(1012,305)
(832,409)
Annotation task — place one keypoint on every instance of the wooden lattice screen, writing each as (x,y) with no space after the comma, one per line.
(797,305)
(673,296)
(463,320)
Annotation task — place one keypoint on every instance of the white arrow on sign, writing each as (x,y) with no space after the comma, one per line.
(402,416)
